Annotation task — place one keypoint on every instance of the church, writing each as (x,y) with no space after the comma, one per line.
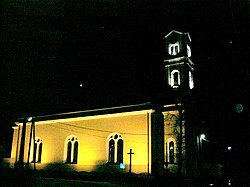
(140,138)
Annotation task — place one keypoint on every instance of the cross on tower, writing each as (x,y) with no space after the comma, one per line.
(130,163)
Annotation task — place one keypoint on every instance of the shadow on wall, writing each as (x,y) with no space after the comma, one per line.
(56,167)
(100,168)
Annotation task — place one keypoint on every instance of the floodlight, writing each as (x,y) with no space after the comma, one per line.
(202,136)
(29,119)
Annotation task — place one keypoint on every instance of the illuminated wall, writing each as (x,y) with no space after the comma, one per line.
(91,134)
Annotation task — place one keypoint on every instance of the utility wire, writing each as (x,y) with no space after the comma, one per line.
(76,131)
(98,130)
(88,133)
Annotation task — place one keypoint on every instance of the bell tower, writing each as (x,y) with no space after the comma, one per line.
(178,65)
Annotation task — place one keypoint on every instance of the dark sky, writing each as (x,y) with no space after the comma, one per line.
(114,48)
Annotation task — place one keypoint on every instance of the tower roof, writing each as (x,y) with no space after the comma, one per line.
(174,32)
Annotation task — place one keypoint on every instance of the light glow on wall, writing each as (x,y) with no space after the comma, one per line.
(188,51)
(191,81)
(92,133)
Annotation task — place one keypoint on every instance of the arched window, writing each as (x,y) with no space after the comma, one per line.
(175,78)
(115,148)
(111,151)
(173,49)
(75,154)
(171,152)
(120,151)
(71,150)
(37,150)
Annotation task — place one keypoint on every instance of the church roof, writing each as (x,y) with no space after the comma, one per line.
(102,111)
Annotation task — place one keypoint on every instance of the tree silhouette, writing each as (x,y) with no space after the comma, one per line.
(177,120)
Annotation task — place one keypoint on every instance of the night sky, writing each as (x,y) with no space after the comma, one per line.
(115,49)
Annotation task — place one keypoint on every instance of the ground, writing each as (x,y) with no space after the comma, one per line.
(30,178)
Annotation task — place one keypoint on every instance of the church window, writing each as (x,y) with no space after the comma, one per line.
(115,148)
(71,148)
(120,151)
(173,49)
(111,151)
(75,155)
(37,150)
(175,78)
(171,152)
